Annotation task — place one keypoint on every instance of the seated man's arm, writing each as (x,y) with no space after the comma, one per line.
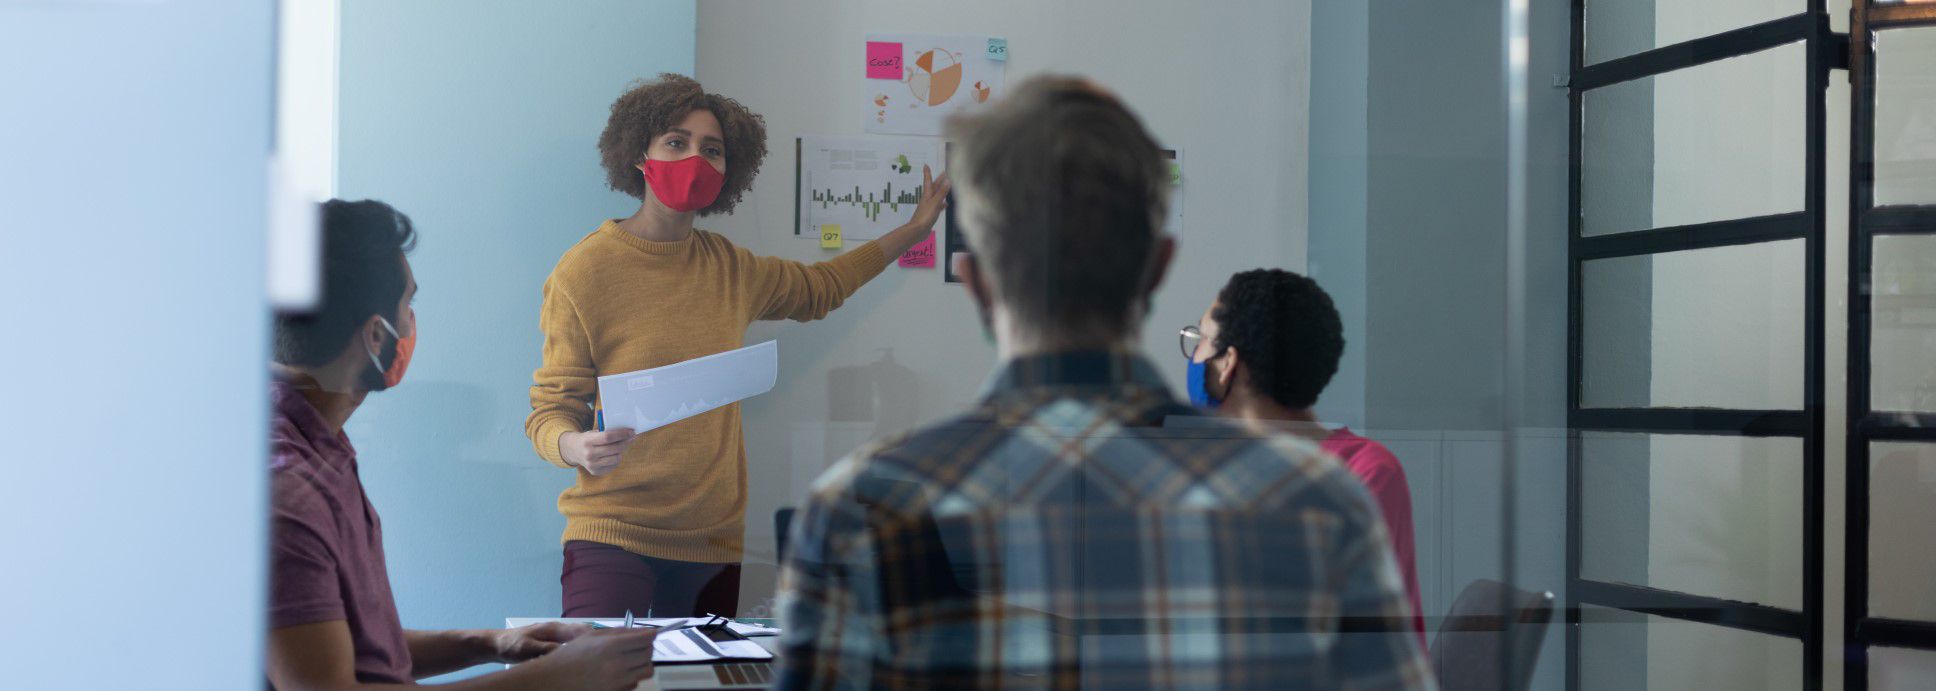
(442,652)
(321,657)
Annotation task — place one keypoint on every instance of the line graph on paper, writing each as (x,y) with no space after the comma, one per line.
(866,185)
(652,398)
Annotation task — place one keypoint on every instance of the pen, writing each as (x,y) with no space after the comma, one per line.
(601,421)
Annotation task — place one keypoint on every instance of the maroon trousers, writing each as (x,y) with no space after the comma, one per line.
(605,581)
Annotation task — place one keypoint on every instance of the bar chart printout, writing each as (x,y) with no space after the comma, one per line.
(866,185)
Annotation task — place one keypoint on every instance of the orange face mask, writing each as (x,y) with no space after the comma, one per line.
(393,375)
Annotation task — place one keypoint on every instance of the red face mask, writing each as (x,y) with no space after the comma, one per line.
(686,185)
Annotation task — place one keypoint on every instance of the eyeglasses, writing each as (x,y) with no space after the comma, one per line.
(1188,338)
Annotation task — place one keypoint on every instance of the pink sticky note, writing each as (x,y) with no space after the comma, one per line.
(883,60)
(920,256)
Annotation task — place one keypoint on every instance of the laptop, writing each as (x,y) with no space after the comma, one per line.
(723,675)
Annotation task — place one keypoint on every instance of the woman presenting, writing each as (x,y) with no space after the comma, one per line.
(656,521)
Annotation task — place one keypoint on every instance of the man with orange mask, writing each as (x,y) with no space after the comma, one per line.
(333,624)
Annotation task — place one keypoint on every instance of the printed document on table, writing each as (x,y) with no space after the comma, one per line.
(690,645)
(649,399)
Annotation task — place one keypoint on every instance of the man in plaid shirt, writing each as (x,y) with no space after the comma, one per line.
(1059,535)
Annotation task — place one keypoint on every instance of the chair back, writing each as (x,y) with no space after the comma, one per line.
(1467,654)
(782,521)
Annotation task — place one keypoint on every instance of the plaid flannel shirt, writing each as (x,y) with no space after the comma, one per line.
(1059,536)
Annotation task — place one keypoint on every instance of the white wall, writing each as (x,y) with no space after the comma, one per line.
(480,119)
(1238,112)
(134,362)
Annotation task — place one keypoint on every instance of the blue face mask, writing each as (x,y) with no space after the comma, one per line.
(1199,386)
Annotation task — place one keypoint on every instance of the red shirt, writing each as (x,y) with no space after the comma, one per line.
(326,543)
(1378,469)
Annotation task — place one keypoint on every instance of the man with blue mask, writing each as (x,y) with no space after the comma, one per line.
(1261,354)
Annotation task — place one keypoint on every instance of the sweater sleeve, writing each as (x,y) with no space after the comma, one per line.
(784,289)
(566,382)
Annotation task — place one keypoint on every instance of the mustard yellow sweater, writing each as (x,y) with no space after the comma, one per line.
(617,303)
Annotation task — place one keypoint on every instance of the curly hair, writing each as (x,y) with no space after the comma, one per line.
(649,108)
(1286,331)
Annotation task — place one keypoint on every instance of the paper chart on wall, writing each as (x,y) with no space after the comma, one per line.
(914,81)
(867,186)
(1173,163)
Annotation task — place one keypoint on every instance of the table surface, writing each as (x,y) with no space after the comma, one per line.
(771,643)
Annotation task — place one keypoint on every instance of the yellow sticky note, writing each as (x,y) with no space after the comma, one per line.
(830,236)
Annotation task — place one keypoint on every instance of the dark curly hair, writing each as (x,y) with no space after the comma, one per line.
(649,108)
(1286,332)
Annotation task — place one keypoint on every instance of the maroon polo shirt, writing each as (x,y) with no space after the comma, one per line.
(326,543)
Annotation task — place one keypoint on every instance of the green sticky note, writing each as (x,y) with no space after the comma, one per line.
(830,236)
(998,49)
(1176,174)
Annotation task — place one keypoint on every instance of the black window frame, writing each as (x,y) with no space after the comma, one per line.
(1825,51)
(1866,425)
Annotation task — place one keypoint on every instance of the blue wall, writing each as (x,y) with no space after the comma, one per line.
(134,351)
(480,120)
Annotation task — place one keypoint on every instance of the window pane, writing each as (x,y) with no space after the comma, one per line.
(1902,526)
(1718,327)
(1718,516)
(1902,375)
(1718,141)
(1905,126)
(1622,651)
(1618,28)
(1900,669)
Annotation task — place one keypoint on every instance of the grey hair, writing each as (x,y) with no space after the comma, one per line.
(1061,193)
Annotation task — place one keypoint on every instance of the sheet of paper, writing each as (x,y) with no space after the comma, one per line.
(683,645)
(741,628)
(936,77)
(649,399)
(860,187)
(743,650)
(1174,162)
(753,629)
(645,623)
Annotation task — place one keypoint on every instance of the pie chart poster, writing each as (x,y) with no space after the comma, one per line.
(914,82)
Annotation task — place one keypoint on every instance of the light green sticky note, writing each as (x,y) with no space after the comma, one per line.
(998,49)
(1176,173)
(830,236)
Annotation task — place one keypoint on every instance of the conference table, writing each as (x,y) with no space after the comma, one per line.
(672,677)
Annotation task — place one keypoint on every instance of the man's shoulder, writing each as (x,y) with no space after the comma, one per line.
(303,481)
(1238,465)
(1363,455)
(917,455)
